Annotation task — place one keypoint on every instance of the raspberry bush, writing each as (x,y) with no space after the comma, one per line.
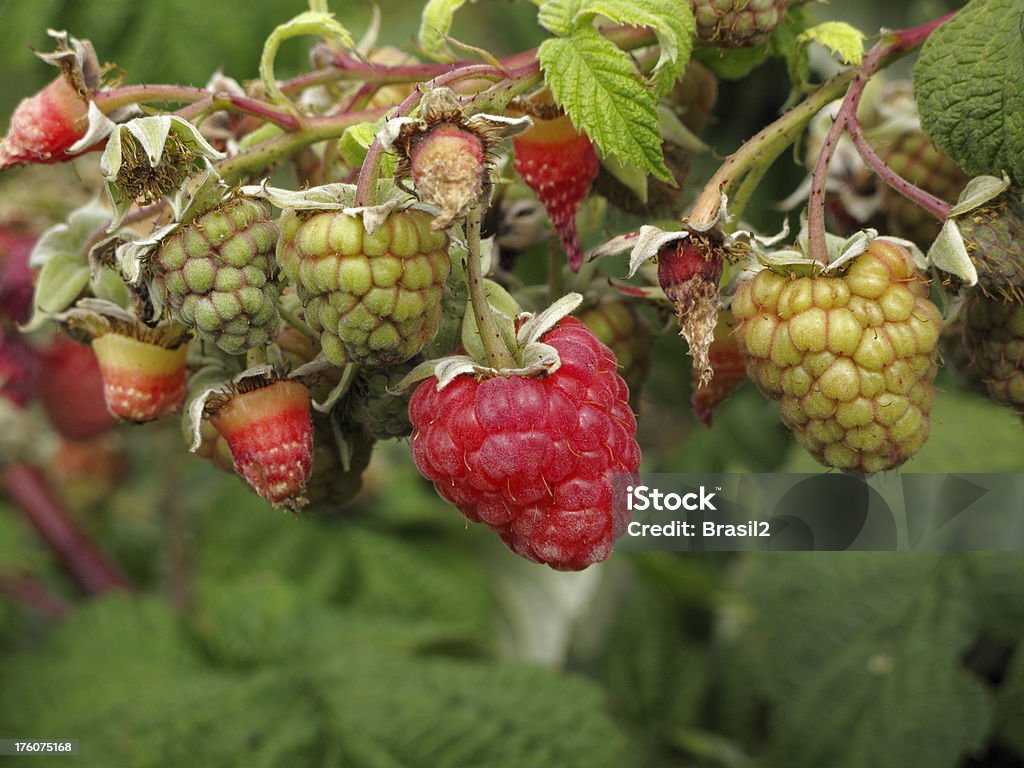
(500,271)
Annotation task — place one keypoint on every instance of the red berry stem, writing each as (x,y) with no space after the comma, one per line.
(937,207)
(892,46)
(28,591)
(498,355)
(342,66)
(79,556)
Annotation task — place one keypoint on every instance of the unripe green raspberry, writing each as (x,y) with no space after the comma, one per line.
(737,23)
(217,275)
(850,358)
(993,331)
(374,298)
(993,233)
(372,405)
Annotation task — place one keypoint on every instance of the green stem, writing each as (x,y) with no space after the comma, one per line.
(760,151)
(296,322)
(746,188)
(498,355)
(108,101)
(271,151)
(893,45)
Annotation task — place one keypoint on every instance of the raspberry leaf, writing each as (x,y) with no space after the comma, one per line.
(839,38)
(969,84)
(671,21)
(436,21)
(894,651)
(605,97)
(308,23)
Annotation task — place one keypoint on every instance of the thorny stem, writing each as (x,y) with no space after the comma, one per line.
(892,46)
(344,67)
(761,150)
(498,355)
(271,151)
(79,556)
(934,205)
(521,70)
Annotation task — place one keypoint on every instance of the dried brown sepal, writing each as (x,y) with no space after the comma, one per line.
(689,271)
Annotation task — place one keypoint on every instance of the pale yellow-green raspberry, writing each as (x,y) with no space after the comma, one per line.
(851,357)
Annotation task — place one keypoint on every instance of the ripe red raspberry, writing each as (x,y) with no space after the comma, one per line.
(559,164)
(533,458)
(627,333)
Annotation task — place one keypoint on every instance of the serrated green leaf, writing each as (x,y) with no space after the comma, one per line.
(842,39)
(558,16)
(125,671)
(861,655)
(605,97)
(435,24)
(969,85)
(672,22)
(656,680)
(464,715)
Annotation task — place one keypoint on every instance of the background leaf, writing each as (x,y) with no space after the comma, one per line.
(969,84)
(859,685)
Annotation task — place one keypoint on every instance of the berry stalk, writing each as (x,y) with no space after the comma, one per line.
(497,353)
(934,205)
(893,46)
(761,150)
(79,556)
